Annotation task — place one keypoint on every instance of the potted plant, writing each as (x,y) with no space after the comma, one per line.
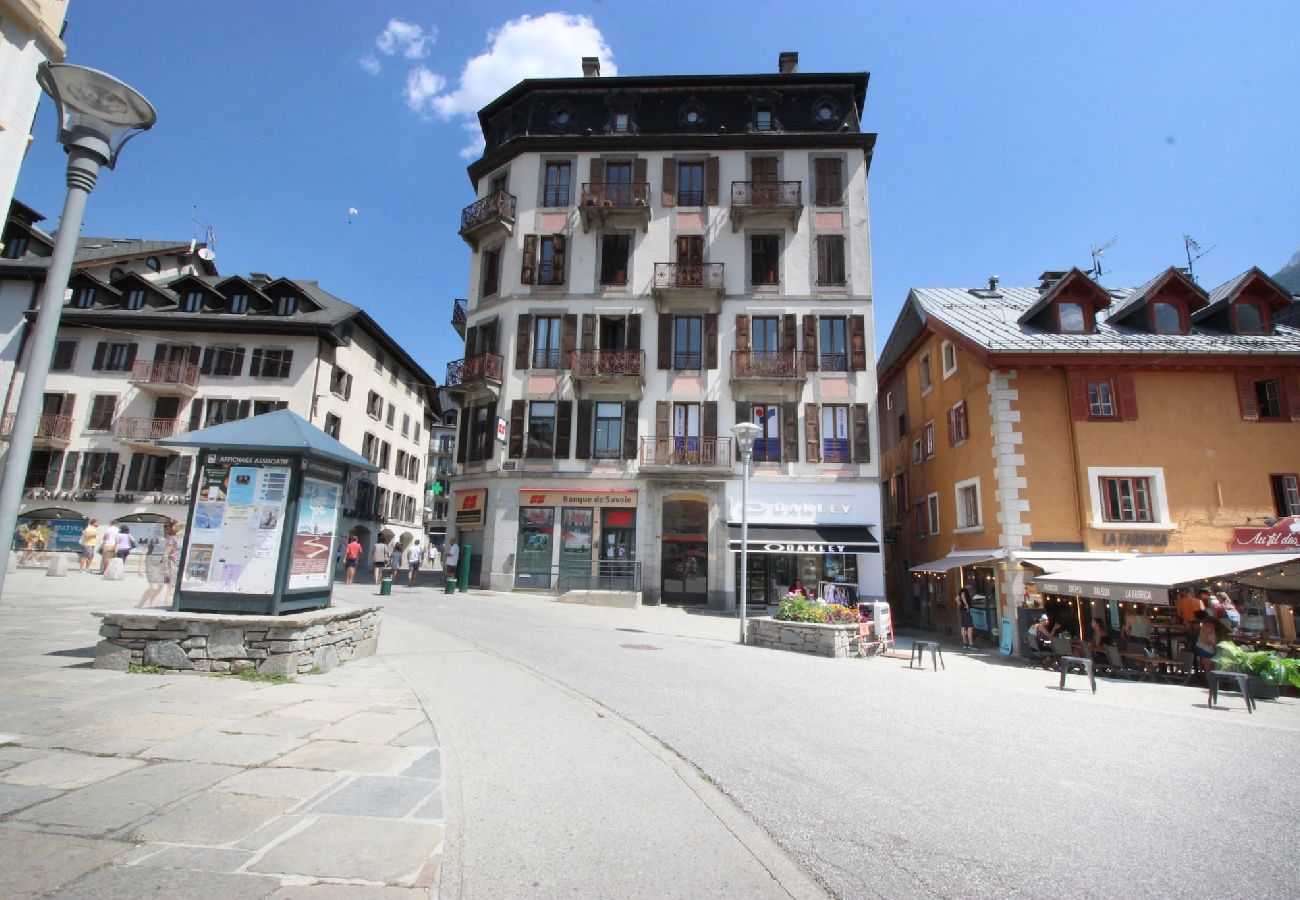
(1266,671)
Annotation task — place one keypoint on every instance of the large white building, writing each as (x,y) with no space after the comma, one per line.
(29,36)
(654,260)
(153,342)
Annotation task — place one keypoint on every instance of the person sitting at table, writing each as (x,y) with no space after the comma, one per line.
(1101,635)
(1041,635)
(1136,629)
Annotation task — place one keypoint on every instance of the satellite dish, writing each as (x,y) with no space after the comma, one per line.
(206,254)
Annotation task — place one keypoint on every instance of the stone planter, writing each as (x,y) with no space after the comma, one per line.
(836,641)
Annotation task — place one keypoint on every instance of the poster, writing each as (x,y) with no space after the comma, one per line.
(238,521)
(313,539)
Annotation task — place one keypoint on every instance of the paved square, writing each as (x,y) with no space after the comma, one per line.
(369,759)
(68,770)
(214,746)
(213,818)
(370,727)
(382,796)
(392,852)
(37,862)
(297,784)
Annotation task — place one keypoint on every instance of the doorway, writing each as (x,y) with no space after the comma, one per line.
(684,575)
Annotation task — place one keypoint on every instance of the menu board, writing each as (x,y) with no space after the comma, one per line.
(313,538)
(238,522)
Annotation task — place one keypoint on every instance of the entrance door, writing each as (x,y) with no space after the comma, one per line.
(618,550)
(533,553)
(684,575)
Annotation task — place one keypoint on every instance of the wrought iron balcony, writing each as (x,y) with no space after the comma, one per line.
(688,281)
(165,377)
(686,452)
(779,201)
(475,374)
(609,364)
(492,216)
(602,201)
(143,431)
(51,430)
(459,314)
(768,365)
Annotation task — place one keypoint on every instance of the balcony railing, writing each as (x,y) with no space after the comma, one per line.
(616,194)
(497,206)
(689,276)
(48,427)
(767,364)
(768,194)
(483,367)
(609,363)
(133,429)
(165,374)
(458,316)
(685,451)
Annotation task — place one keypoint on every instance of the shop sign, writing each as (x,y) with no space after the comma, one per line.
(622,499)
(804,505)
(820,547)
(471,508)
(1135,539)
(1099,591)
(1285,535)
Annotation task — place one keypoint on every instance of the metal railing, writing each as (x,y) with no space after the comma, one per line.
(484,366)
(135,429)
(546,358)
(767,364)
(595,363)
(458,316)
(47,426)
(689,275)
(767,193)
(685,451)
(616,194)
(165,373)
(500,205)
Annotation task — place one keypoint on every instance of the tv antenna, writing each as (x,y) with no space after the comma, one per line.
(209,249)
(1190,245)
(1096,257)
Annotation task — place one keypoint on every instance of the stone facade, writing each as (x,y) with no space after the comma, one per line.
(204,642)
(836,641)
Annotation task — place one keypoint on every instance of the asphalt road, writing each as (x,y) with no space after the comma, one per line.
(982,780)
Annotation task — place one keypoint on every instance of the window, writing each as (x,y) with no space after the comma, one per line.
(391,417)
(690,184)
(541,429)
(608,438)
(900,492)
(406,424)
(262,407)
(918,519)
(219,411)
(98,472)
(369,445)
(767,446)
(687,333)
(918,452)
(82,298)
(379,363)
(374,405)
(153,263)
(618,183)
(948,356)
(968,503)
(546,342)
(286,305)
(340,383)
(763,118)
(1070,318)
(833,343)
(1286,494)
(193,302)
(333,425)
(268,363)
(1126,499)
(889,400)
(958,428)
(113,357)
(65,352)
(927,439)
(415,434)
(765,259)
(1166,318)
(1101,400)
(829,187)
(835,433)
(1268,398)
(135,299)
(621,118)
(491,272)
(225,360)
(543,260)
(15,246)
(384,451)
(932,508)
(923,369)
(480,433)
(238,304)
(102,408)
(1250,320)
(614,253)
(392,371)
(556,190)
(830,260)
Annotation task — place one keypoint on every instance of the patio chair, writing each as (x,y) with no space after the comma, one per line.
(1061,646)
(1116,666)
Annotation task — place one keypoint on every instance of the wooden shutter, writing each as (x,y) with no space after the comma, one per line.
(70,470)
(101,352)
(789,333)
(711,181)
(952,427)
(711,341)
(639,177)
(528,269)
(130,355)
(568,339)
(742,415)
(194,354)
(557,259)
(563,429)
(196,415)
(65,404)
(1126,395)
(523,340)
(810,342)
(237,367)
(52,467)
(471,335)
(665,341)
(1291,397)
(630,414)
(517,411)
(1077,388)
(242,409)
(634,331)
(663,411)
(160,352)
(763,169)
(255,364)
(1246,398)
(861,434)
(857,343)
(742,334)
(596,175)
(462,441)
(668,194)
(286,363)
(588,332)
(133,472)
(789,431)
(812,440)
(583,450)
(709,419)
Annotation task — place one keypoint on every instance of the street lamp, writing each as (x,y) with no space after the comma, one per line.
(97,116)
(746,433)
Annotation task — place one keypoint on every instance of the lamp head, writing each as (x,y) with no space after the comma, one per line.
(746,433)
(96,111)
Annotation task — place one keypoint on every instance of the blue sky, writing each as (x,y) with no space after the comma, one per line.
(1012,136)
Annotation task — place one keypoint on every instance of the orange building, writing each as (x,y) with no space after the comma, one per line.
(1029,429)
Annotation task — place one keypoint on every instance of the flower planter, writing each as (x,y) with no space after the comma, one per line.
(1262,690)
(836,641)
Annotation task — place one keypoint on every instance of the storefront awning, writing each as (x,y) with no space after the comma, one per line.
(1061,561)
(1148,579)
(806,539)
(957,560)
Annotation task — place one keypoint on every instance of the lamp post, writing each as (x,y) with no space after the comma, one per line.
(97,115)
(746,433)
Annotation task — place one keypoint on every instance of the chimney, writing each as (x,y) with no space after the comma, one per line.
(591,67)
(993,282)
(259,279)
(787,63)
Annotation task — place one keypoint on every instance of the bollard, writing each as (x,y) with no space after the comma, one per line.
(449,580)
(463,568)
(58,567)
(386,585)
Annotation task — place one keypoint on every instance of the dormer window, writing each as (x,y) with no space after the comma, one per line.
(763,118)
(1250,318)
(286,305)
(82,298)
(1070,318)
(1166,318)
(135,299)
(115,273)
(193,302)
(239,304)
(153,264)
(621,122)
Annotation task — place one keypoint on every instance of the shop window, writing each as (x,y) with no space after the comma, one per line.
(833,349)
(968,503)
(1286,494)
(932,512)
(533,550)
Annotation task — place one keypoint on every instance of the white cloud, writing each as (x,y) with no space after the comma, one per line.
(546,46)
(369,63)
(406,38)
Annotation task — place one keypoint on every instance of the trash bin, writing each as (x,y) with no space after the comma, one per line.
(449,580)
(386,585)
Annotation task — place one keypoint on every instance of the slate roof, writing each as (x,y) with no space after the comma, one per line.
(281,431)
(93,250)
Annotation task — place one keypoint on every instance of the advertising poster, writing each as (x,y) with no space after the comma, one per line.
(313,539)
(237,526)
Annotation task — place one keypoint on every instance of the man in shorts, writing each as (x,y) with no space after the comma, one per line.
(351,557)
(413,557)
(380,559)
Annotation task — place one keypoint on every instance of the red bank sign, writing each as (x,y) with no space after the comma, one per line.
(1285,535)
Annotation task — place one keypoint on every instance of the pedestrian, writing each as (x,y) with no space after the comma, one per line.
(451,561)
(379,556)
(107,547)
(395,558)
(155,566)
(125,543)
(351,558)
(171,558)
(413,556)
(967,621)
(89,543)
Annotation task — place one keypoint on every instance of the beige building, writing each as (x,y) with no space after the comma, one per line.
(29,36)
